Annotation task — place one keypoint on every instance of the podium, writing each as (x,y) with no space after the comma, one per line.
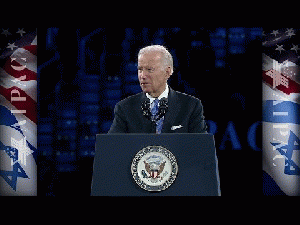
(195,155)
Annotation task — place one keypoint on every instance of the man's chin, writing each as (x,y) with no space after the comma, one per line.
(146,90)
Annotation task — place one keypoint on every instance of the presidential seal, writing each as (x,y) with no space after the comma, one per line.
(154,168)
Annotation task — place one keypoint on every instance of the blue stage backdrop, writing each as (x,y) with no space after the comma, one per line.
(84,72)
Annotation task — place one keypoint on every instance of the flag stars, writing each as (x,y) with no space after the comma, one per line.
(12,46)
(290,32)
(280,48)
(6,32)
(295,48)
(21,32)
(275,32)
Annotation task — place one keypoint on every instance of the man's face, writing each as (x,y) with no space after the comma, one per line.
(152,74)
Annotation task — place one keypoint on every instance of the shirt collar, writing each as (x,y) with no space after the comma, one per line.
(163,95)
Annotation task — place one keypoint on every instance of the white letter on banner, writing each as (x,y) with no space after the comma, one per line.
(21,99)
(18,68)
(282,126)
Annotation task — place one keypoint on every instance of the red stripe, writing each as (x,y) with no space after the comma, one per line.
(32,49)
(294,87)
(29,105)
(30,75)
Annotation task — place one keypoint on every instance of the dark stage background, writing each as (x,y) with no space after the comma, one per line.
(84,72)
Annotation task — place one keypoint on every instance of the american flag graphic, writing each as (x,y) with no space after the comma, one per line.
(281,108)
(18,111)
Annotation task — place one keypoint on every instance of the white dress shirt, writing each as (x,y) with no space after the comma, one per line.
(163,95)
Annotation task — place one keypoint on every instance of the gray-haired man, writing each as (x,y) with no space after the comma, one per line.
(183,114)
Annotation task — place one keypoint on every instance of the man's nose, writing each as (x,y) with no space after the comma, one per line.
(143,74)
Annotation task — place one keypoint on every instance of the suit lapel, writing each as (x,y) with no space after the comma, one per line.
(173,110)
(145,125)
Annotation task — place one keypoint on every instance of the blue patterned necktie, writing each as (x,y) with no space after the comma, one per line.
(154,112)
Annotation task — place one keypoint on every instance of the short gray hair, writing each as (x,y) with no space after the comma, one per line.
(168,59)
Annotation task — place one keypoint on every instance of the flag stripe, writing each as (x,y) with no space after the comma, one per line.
(30,75)
(32,49)
(293,86)
(8,81)
(29,128)
(24,58)
(269,93)
(281,112)
(29,105)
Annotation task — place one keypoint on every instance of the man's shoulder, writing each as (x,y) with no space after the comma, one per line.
(186,97)
(133,99)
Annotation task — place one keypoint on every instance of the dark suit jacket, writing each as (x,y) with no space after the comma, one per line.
(183,110)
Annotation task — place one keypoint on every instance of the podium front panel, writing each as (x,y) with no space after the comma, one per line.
(195,155)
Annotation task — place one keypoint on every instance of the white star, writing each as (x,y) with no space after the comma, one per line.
(280,48)
(295,48)
(21,31)
(290,32)
(23,150)
(6,32)
(12,46)
(275,32)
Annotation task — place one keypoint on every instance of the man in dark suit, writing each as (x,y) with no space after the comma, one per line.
(184,113)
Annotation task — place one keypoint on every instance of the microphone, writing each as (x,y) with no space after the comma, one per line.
(163,108)
(146,109)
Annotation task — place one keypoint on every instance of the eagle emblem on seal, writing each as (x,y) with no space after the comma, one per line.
(154,169)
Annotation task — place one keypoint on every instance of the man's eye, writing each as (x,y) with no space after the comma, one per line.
(150,70)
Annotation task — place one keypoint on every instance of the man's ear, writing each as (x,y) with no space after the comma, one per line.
(168,72)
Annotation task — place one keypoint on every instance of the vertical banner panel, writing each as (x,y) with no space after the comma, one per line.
(18,112)
(281,108)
